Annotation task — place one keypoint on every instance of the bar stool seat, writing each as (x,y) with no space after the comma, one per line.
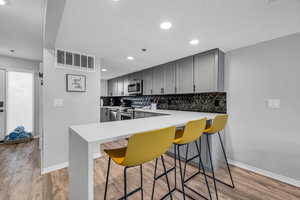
(117,155)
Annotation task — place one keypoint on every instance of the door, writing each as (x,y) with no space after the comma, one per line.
(147,82)
(170,78)
(158,80)
(2,104)
(205,72)
(184,75)
(20,100)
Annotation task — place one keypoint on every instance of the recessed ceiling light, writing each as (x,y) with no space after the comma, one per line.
(103,70)
(194,42)
(130,58)
(165,25)
(12,50)
(2,2)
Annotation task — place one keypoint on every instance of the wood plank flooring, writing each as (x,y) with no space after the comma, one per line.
(20,179)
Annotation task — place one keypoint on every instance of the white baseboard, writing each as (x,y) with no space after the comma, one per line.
(63,165)
(266,173)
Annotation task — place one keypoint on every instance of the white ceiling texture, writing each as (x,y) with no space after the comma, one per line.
(21,29)
(113,30)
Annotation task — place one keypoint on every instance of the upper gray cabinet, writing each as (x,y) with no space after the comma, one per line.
(147,81)
(203,72)
(120,86)
(110,87)
(184,75)
(208,72)
(125,85)
(158,80)
(169,78)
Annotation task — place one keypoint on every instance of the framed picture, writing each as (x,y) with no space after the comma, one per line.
(75,83)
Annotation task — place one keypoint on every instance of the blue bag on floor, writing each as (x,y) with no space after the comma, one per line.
(18,133)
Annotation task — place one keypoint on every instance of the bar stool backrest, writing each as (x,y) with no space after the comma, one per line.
(193,130)
(144,147)
(218,123)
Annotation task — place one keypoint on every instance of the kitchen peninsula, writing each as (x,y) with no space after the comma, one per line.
(82,138)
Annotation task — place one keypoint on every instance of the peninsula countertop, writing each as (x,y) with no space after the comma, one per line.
(110,131)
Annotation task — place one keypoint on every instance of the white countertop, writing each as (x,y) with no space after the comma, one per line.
(110,131)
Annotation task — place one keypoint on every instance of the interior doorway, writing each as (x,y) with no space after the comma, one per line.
(20,100)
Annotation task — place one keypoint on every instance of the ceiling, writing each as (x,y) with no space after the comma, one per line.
(21,29)
(113,30)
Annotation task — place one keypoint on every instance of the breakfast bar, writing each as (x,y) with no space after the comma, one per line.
(82,139)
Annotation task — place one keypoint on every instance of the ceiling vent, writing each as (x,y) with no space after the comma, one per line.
(74,61)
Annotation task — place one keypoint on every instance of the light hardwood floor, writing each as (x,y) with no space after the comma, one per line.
(20,179)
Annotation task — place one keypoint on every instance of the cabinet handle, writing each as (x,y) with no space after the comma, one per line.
(175,90)
(151,91)
(194,88)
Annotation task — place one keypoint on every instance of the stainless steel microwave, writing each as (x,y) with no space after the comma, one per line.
(135,87)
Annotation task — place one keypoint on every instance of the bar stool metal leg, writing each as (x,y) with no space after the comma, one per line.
(226,162)
(212,167)
(153,186)
(166,174)
(107,174)
(181,175)
(142,191)
(202,166)
(125,183)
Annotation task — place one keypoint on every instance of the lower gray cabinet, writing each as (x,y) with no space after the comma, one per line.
(104,115)
(184,75)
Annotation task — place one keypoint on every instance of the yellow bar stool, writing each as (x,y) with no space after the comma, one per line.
(141,148)
(190,134)
(218,124)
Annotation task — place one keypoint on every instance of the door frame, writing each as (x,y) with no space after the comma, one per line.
(33,95)
(5,101)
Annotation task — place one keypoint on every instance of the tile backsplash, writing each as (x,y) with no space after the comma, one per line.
(213,102)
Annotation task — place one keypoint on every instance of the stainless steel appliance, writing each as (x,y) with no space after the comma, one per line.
(135,87)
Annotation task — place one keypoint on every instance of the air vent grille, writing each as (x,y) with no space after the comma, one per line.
(75,61)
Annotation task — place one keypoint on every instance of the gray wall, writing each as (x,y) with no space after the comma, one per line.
(78,108)
(17,64)
(265,138)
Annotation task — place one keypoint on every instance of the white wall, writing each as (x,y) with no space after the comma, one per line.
(265,138)
(18,64)
(78,108)
(104,88)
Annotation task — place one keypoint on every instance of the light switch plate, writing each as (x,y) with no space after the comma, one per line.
(58,103)
(273,103)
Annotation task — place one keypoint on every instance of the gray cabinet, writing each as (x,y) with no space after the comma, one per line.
(104,115)
(110,87)
(184,75)
(147,81)
(203,72)
(125,85)
(120,88)
(206,72)
(169,78)
(158,80)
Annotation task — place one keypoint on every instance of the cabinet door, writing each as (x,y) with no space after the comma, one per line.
(110,87)
(184,75)
(147,81)
(205,72)
(115,87)
(125,83)
(169,78)
(158,80)
(120,86)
